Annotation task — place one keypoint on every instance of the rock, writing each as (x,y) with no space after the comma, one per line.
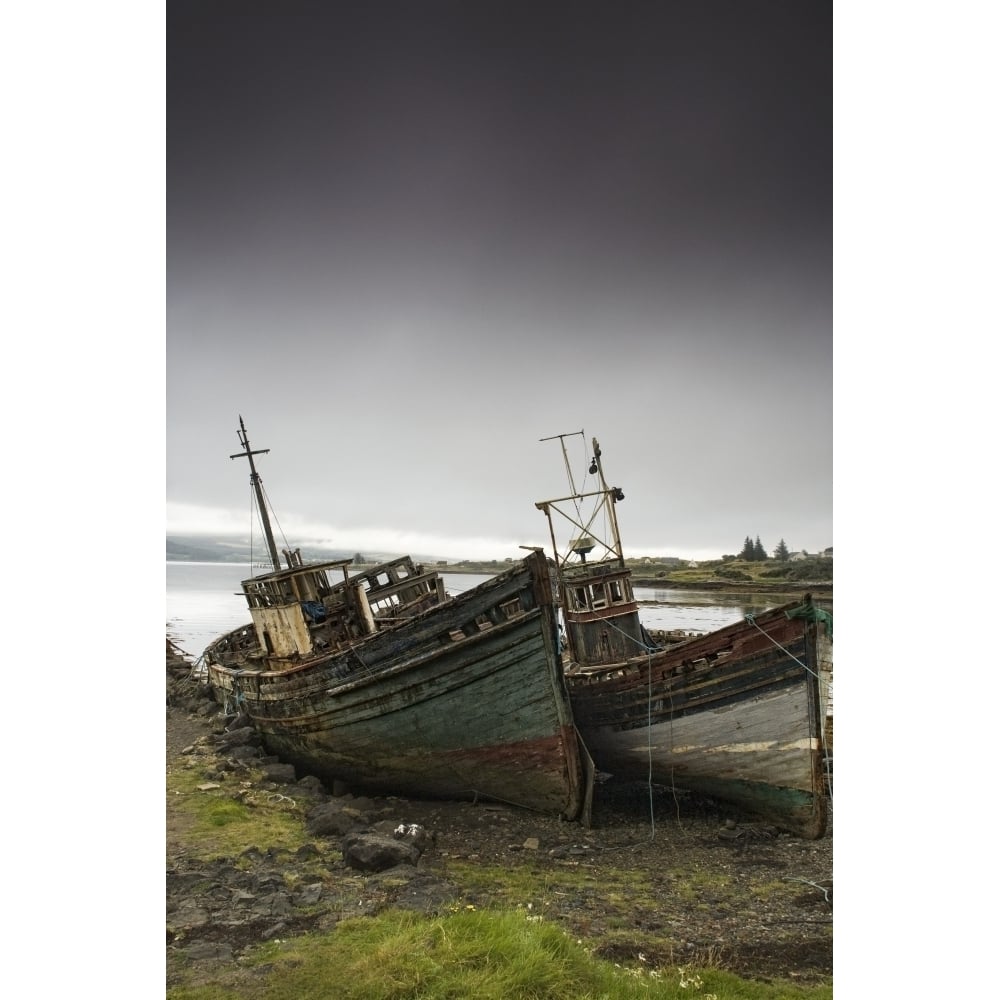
(359,803)
(311,782)
(244,736)
(241,721)
(332,819)
(375,852)
(276,904)
(310,895)
(209,949)
(280,773)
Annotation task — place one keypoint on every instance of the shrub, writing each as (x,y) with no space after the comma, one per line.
(733,574)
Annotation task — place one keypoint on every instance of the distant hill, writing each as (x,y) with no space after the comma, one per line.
(203,548)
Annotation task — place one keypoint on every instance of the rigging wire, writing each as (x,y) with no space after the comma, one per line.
(574,492)
(253,508)
(750,620)
(274,516)
(256,510)
(649,650)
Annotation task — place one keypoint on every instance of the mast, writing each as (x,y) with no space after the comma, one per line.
(598,603)
(255,480)
(609,496)
(612,494)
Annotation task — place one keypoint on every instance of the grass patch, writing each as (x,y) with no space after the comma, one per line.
(492,955)
(769,571)
(224,821)
(618,886)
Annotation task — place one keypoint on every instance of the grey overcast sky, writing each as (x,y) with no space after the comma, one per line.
(408,240)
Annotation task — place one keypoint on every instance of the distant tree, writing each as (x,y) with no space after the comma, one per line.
(746,553)
(759,554)
(359,559)
(781,552)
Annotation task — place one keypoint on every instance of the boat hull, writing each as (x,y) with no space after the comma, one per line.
(734,714)
(465,701)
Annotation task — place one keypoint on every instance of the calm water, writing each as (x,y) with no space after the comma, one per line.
(698,611)
(204,601)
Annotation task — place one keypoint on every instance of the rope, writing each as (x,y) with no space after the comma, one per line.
(649,650)
(752,621)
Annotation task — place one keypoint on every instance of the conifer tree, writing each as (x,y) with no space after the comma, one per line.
(746,553)
(759,554)
(781,552)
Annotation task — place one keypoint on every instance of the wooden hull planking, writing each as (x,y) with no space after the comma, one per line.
(466,700)
(733,714)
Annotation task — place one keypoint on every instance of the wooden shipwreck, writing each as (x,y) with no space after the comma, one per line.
(381,680)
(736,714)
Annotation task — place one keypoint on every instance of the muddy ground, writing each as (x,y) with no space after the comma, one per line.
(660,877)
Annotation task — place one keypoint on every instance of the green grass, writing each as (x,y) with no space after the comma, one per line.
(225,821)
(769,571)
(620,884)
(493,955)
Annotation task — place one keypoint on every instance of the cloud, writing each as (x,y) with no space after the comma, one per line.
(193,519)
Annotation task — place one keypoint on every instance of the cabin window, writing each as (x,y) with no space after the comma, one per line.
(386,606)
(581,598)
(616,591)
(600,598)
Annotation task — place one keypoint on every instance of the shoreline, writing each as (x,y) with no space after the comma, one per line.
(783,587)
